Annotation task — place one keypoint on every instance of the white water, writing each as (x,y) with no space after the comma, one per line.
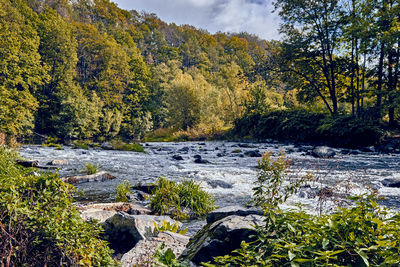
(352,174)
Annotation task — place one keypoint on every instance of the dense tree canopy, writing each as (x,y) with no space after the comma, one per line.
(88,69)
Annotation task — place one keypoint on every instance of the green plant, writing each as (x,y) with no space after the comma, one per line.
(173,198)
(271,187)
(81,144)
(39,225)
(135,147)
(91,168)
(237,151)
(167,258)
(122,191)
(167,226)
(361,235)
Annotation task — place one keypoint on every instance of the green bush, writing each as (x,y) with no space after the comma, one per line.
(304,126)
(81,144)
(135,147)
(170,197)
(361,235)
(91,168)
(39,225)
(122,191)
(364,235)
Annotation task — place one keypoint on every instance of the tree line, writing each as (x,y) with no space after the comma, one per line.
(88,69)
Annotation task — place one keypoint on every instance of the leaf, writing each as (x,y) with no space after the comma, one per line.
(291,255)
(363,256)
(325,243)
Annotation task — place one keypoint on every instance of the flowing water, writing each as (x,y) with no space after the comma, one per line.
(229,176)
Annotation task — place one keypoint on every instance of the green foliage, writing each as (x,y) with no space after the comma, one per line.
(363,235)
(167,226)
(166,258)
(171,197)
(91,168)
(272,187)
(81,144)
(304,126)
(39,225)
(135,147)
(122,190)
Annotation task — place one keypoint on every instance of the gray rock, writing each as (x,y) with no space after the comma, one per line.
(221,238)
(323,152)
(144,187)
(253,153)
(99,215)
(142,253)
(391,182)
(219,183)
(104,211)
(177,157)
(221,213)
(97,177)
(124,231)
(184,149)
(106,146)
(58,162)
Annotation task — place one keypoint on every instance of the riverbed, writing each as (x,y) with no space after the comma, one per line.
(229,173)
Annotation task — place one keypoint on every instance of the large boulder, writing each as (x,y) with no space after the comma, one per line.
(323,152)
(142,253)
(221,237)
(221,213)
(123,231)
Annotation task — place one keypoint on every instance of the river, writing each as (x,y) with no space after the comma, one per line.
(230,174)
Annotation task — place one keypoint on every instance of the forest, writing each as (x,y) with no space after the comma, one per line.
(86,69)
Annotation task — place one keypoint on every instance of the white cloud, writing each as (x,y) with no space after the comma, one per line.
(252,16)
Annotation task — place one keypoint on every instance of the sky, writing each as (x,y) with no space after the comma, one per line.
(252,16)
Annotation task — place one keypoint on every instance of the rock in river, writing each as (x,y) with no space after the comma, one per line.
(391,182)
(323,152)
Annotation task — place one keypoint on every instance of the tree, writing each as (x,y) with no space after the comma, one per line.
(21,71)
(313,31)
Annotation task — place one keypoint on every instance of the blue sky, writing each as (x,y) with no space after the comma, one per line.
(252,16)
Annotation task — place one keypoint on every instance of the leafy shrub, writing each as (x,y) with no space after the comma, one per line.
(304,126)
(167,226)
(81,144)
(118,145)
(39,225)
(122,191)
(362,235)
(349,131)
(57,146)
(91,168)
(170,197)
